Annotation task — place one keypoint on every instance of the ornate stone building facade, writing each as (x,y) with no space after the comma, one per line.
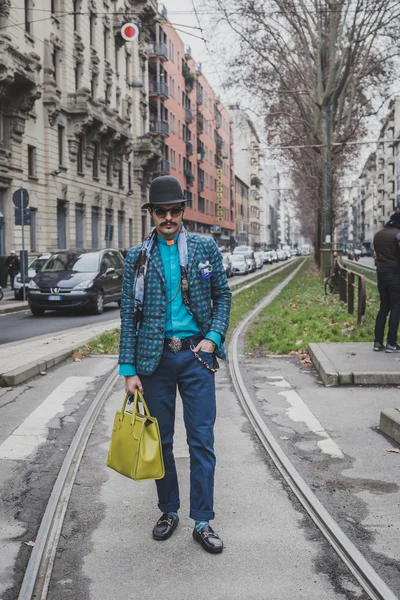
(74,127)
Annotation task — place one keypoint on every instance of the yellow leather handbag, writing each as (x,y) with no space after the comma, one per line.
(135,446)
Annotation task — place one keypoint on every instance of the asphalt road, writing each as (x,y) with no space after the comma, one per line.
(22,325)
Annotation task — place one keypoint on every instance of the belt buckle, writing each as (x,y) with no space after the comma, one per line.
(174,344)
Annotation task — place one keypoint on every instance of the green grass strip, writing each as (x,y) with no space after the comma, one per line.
(105,343)
(263,274)
(303,314)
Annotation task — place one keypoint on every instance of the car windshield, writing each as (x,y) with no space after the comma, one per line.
(241,250)
(87,262)
(238,258)
(37,264)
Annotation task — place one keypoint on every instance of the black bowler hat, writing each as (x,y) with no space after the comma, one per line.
(165,190)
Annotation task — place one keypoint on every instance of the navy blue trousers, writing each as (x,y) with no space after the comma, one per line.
(196,385)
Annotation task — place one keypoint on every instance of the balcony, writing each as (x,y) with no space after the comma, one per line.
(200,155)
(218,120)
(189,177)
(201,185)
(163,167)
(189,116)
(199,96)
(200,122)
(190,78)
(219,144)
(158,50)
(158,88)
(189,148)
(158,127)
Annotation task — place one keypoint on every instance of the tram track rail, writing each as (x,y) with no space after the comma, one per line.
(349,554)
(38,574)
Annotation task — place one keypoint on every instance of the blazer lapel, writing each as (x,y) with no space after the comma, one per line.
(192,268)
(156,259)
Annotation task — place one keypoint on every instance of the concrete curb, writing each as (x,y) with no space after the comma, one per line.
(325,368)
(17,376)
(16,307)
(389,423)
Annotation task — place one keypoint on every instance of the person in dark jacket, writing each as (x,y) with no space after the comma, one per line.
(11,267)
(387,261)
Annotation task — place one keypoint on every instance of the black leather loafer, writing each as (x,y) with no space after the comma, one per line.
(209,540)
(165,527)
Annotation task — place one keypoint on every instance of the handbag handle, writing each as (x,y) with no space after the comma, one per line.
(138,396)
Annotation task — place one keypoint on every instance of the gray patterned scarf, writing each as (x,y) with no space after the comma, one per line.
(140,271)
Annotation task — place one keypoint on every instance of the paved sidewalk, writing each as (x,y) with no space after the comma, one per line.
(9,304)
(20,361)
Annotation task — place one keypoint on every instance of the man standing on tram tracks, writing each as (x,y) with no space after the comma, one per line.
(387,261)
(174,316)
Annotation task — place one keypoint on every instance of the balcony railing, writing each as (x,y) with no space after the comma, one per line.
(158,127)
(189,148)
(219,145)
(218,120)
(189,116)
(163,167)
(200,122)
(200,96)
(200,155)
(158,88)
(158,49)
(201,185)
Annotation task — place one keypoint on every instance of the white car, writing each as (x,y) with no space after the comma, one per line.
(281,255)
(35,266)
(267,256)
(239,264)
(259,259)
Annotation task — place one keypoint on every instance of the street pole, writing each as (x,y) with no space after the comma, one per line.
(23,245)
(328,208)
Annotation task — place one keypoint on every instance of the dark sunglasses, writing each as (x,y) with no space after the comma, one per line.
(174,212)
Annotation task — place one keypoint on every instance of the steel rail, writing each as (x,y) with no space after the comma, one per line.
(367,577)
(363,267)
(38,572)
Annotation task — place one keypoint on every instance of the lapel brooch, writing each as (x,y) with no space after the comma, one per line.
(206,270)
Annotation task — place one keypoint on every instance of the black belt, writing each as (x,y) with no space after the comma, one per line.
(175,344)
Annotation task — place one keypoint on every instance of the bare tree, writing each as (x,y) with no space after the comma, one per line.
(319,68)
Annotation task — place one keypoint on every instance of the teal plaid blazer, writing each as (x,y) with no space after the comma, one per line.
(210,303)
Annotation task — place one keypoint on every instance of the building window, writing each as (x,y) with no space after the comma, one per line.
(94,83)
(60,145)
(31,161)
(129,176)
(28,15)
(130,232)
(109,169)
(128,68)
(79,217)
(78,76)
(56,62)
(92,28)
(173,159)
(95,227)
(121,175)
(121,218)
(180,163)
(109,226)
(76,8)
(116,58)
(106,34)
(95,164)
(108,91)
(33,230)
(179,94)
(61,226)
(79,158)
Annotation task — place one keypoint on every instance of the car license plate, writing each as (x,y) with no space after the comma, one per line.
(54,297)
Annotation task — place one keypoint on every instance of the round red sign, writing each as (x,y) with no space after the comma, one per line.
(129,31)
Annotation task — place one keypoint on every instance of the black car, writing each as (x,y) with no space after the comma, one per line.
(77,279)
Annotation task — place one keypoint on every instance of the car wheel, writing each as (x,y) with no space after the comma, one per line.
(98,307)
(37,312)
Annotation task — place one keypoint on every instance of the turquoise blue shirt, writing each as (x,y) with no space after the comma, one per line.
(179,322)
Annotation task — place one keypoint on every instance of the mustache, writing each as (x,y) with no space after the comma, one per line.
(168,223)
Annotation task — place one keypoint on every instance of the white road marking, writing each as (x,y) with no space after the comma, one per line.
(33,431)
(300,413)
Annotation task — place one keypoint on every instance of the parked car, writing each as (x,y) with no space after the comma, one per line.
(77,279)
(226,261)
(267,255)
(259,259)
(239,264)
(280,254)
(248,252)
(286,250)
(274,256)
(35,266)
